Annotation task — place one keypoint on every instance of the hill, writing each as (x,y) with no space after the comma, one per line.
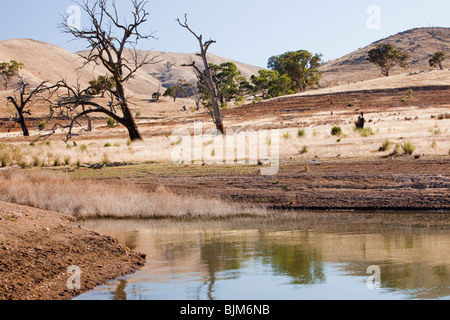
(420,44)
(44,61)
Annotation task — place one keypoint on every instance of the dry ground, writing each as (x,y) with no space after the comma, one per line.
(37,247)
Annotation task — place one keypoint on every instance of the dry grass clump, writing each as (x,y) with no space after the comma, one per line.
(82,199)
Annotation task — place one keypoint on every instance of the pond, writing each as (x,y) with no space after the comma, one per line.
(213,261)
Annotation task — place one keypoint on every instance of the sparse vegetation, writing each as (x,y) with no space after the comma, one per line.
(42,125)
(287,135)
(365,132)
(385,146)
(304,150)
(408,148)
(301,133)
(336,131)
(434,144)
(111,122)
(409,94)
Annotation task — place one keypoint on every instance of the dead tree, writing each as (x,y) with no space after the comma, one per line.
(206,76)
(107,39)
(23,101)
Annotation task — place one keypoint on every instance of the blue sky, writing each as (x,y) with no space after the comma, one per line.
(249,31)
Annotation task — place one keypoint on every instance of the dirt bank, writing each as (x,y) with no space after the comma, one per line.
(37,247)
(398,184)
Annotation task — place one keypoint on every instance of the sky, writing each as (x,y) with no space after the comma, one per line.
(249,31)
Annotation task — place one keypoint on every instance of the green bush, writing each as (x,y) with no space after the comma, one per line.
(408,148)
(301,133)
(111,122)
(336,131)
(42,125)
(304,150)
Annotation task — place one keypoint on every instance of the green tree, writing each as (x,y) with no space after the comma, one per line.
(302,67)
(269,84)
(228,83)
(181,89)
(101,85)
(8,70)
(386,56)
(437,59)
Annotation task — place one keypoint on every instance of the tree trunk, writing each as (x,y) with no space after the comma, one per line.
(23,124)
(130,124)
(133,132)
(128,119)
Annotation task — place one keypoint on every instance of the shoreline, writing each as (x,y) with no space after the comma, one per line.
(37,247)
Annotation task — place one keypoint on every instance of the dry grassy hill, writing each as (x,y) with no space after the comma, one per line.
(420,44)
(44,61)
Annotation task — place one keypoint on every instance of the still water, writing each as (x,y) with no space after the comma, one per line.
(205,262)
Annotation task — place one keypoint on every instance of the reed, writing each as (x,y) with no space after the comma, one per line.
(88,199)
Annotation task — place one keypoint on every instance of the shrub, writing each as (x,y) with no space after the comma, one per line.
(111,122)
(42,125)
(36,161)
(83,147)
(107,145)
(301,133)
(385,146)
(287,135)
(409,93)
(56,162)
(32,144)
(336,131)
(304,150)
(366,132)
(4,159)
(105,159)
(408,148)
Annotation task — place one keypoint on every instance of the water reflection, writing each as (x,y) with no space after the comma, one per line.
(197,262)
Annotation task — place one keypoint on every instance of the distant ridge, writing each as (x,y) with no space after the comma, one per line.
(45,61)
(419,43)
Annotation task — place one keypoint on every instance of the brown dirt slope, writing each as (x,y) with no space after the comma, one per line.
(37,247)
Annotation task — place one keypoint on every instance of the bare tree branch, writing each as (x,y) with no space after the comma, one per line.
(112,44)
(205,75)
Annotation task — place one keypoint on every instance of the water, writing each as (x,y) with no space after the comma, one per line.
(204,262)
